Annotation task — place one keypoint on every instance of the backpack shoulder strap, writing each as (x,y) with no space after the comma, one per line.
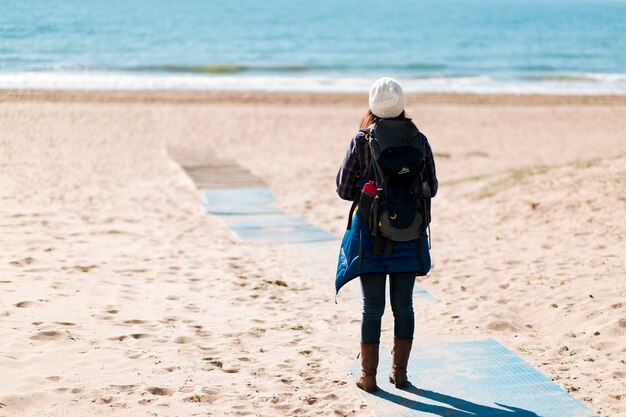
(367,131)
(376,171)
(353,207)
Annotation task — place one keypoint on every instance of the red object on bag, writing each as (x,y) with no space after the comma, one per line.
(370,188)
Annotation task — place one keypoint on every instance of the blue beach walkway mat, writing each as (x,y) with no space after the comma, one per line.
(421,291)
(418,290)
(292,234)
(469,379)
(228,201)
(262,220)
(252,215)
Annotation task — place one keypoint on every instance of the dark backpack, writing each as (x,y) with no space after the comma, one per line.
(400,210)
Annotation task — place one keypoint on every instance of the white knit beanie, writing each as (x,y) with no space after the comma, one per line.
(386,98)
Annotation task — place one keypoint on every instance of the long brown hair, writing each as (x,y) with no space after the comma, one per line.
(370,118)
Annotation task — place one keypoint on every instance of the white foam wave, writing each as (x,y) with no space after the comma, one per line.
(599,84)
(607,78)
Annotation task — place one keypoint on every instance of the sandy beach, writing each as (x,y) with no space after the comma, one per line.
(120,296)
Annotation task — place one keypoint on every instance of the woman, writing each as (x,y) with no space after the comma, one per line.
(359,255)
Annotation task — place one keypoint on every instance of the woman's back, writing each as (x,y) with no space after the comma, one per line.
(389,174)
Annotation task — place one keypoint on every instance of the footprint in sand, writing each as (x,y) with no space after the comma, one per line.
(234,266)
(80,268)
(124,388)
(203,333)
(23,304)
(111,310)
(502,325)
(103,400)
(134,321)
(257,332)
(215,363)
(286,364)
(201,398)
(160,391)
(49,335)
(134,336)
(145,401)
(132,355)
(169,319)
(193,308)
(23,262)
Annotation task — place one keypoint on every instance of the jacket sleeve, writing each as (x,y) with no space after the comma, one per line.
(430,172)
(348,173)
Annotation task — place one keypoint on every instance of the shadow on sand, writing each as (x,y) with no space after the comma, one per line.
(462,408)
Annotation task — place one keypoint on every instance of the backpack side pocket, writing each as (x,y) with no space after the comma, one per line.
(401,222)
(365,206)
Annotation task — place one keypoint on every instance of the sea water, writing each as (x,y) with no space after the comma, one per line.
(519,46)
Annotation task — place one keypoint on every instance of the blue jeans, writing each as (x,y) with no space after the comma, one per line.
(401,296)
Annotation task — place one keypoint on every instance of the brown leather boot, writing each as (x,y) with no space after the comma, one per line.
(369,363)
(400,353)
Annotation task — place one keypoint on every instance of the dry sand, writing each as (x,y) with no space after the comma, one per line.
(120,297)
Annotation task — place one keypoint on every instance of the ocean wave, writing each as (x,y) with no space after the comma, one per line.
(424,66)
(535,68)
(216,68)
(481,84)
(579,77)
(220,68)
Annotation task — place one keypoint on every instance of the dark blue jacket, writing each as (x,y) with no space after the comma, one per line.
(411,256)
(405,257)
